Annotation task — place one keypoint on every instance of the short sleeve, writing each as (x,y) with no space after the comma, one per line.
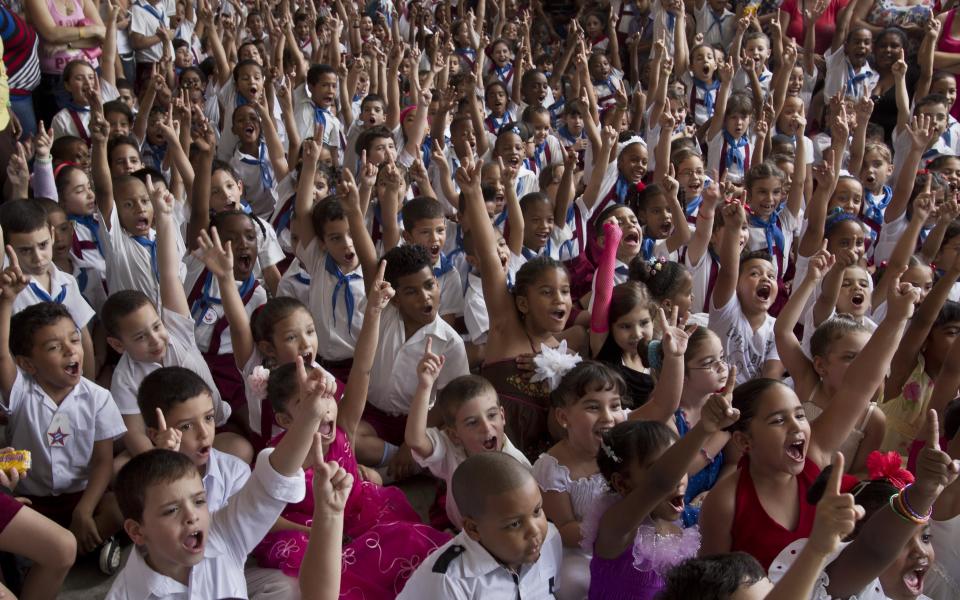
(123,389)
(442,449)
(455,362)
(270,252)
(311,257)
(79,308)
(551,476)
(836,73)
(17,391)
(180,326)
(109,423)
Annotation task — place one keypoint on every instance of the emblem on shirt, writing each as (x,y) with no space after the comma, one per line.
(58,437)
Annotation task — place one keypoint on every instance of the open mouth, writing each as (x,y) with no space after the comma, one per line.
(913,580)
(763,291)
(559,315)
(676,503)
(248,130)
(73,369)
(244,262)
(666,228)
(857,299)
(194,542)
(435,250)
(348,257)
(490,444)
(795,451)
(307,358)
(143,223)
(705,71)
(514,160)
(632,238)
(326,429)
(428,310)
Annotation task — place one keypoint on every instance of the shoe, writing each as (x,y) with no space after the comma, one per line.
(110,556)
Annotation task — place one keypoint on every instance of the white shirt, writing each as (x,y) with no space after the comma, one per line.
(262,199)
(715,154)
(842,77)
(60,284)
(209,313)
(468,571)
(390,391)
(60,437)
(182,351)
(304,111)
(295,283)
(226,475)
(337,330)
(234,531)
(716,30)
(743,347)
(227,99)
(451,291)
(789,225)
(890,233)
(90,257)
(145,23)
(445,459)
(700,273)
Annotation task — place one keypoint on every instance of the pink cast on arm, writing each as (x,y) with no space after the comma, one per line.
(603,288)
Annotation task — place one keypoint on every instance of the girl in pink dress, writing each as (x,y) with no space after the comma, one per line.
(384,538)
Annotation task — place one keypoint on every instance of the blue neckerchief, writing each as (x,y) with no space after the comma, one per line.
(931,154)
(153,11)
(245,207)
(875,205)
(621,188)
(556,109)
(924,232)
(446,265)
(504,73)
(151,246)
(82,280)
(716,21)
(77,107)
(763,76)
(772,231)
(538,153)
(709,98)
(266,173)
(671,21)
(156,153)
(646,247)
(302,277)
(854,79)
(92,224)
(735,149)
(565,134)
(693,205)
(500,219)
(946,136)
(205,300)
(622,270)
(320,118)
(343,281)
(241,101)
(495,124)
(45,297)
(425,149)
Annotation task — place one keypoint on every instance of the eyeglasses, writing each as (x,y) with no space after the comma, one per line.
(718,365)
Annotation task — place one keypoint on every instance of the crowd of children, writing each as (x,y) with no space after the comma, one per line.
(657,302)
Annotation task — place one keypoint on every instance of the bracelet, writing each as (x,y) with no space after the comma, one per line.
(706,456)
(909,509)
(44,160)
(897,511)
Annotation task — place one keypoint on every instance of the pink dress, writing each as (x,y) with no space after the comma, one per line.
(948,43)
(384,540)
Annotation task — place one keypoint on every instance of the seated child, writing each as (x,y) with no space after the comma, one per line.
(504,529)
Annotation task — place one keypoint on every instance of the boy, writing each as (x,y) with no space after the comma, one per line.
(373,112)
(756,47)
(326,251)
(473,422)
(312,105)
(848,71)
(25,227)
(728,138)
(66,421)
(489,558)
(148,338)
(715,22)
(248,87)
(701,82)
(149,35)
(425,225)
(745,288)
(933,107)
(190,553)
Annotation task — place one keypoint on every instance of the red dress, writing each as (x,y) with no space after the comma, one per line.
(753,531)
(825,26)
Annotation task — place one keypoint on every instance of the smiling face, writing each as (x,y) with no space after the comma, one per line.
(124,160)
(778,435)
(225,192)
(690,175)
(292,336)
(903,579)
(946,86)
(847,235)
(511,149)
(920,276)
(624,481)
(859,46)
(174,526)
(538,224)
(513,526)
(758,49)
(788,122)
(795,83)
(765,196)
(56,356)
(246,125)
(535,88)
(586,419)
(632,162)
(241,232)
(119,123)
(848,196)
(501,54)
(546,303)
(757,285)
(134,208)
(142,335)
(478,425)
(418,296)
(194,418)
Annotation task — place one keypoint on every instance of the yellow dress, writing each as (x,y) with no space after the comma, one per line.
(4,93)
(906,412)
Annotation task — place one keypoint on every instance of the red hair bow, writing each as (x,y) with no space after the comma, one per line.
(888,466)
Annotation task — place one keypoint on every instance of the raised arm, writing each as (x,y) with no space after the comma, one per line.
(700,240)
(205,145)
(681,230)
(12,282)
(725,72)
(168,259)
(415,434)
(603,286)
(665,398)
(922,133)
(726,285)
(320,571)
(362,243)
(826,178)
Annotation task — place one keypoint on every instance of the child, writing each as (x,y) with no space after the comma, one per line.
(83,85)
(259,157)
(848,71)
(504,529)
(700,79)
(587,404)
(665,228)
(425,225)
(728,139)
(149,36)
(633,531)
(472,423)
(877,194)
(315,109)
(27,230)
(51,406)
(176,558)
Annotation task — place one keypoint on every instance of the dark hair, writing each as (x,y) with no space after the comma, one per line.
(528,200)
(714,577)
(367,136)
(483,475)
(460,391)
(587,376)
(764,170)
(531,271)
(949,313)
(75,64)
(837,218)
(22,216)
(663,279)
(637,200)
(328,209)
(746,398)
(61,146)
(246,63)
(119,305)
(317,71)
(50,207)
(871,495)
(419,209)
(122,140)
(25,324)
(756,255)
(219,165)
(533,109)
(268,315)
(632,441)
(832,330)
(154,174)
(282,385)
(894,31)
(118,106)
(369,98)
(953,230)
(626,297)
(62,179)
(147,469)
(406,260)
(124,84)
(740,103)
(165,388)
(931,99)
(219,219)
(696,339)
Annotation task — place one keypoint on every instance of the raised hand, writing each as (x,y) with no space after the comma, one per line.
(820,263)
(675,338)
(167,438)
(313,388)
(217,257)
(381,291)
(331,488)
(429,367)
(17,170)
(12,280)
(902,298)
(42,141)
(725,70)
(718,413)
(160,197)
(733,215)
(935,469)
(837,513)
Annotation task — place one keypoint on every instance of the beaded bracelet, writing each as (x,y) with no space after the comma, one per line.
(909,509)
(896,510)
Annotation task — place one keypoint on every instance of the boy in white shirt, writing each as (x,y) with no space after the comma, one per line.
(473,422)
(488,560)
(313,104)
(67,422)
(425,224)
(848,71)
(193,554)
(149,34)
(25,227)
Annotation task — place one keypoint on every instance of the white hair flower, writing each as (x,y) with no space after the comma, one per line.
(552,364)
(258,381)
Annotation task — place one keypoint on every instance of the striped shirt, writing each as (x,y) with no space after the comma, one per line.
(20,42)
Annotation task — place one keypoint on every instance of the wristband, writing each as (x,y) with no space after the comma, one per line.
(909,509)
(896,510)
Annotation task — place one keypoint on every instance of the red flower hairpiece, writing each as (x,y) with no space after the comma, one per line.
(923,172)
(888,466)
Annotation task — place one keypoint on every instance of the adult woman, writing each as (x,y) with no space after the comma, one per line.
(69,30)
(791,21)
(22,62)
(908,15)
(947,55)
(888,46)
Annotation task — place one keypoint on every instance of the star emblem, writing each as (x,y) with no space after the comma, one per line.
(57,437)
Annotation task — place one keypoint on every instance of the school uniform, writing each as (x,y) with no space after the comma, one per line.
(743,347)
(475,315)
(308,115)
(606,89)
(557,246)
(729,155)
(703,97)
(225,476)
(390,395)
(951,136)
(704,274)
(259,182)
(336,299)
(145,19)
(776,235)
(503,74)
(451,287)
(453,163)
(60,437)
(295,283)
(842,77)
(548,154)
(464,569)
(234,531)
(229,100)
(717,29)
(891,232)
(493,124)
(86,250)
(182,351)
(741,81)
(63,290)
(901,148)
(132,260)
(874,207)
(664,26)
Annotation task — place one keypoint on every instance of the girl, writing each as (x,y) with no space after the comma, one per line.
(258,157)
(587,404)
(531,318)
(382,527)
(669,284)
(81,83)
(501,62)
(620,322)
(833,346)
(761,511)
(633,531)
(79,203)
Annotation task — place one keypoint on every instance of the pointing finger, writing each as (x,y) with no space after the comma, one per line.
(836,475)
(161,422)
